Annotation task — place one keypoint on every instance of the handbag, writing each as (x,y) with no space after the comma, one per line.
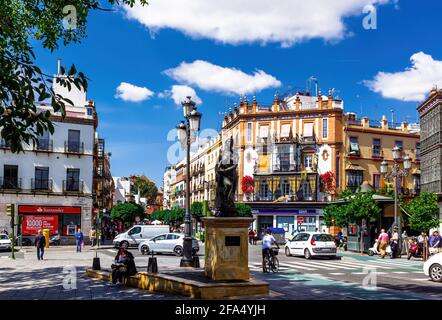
(123,269)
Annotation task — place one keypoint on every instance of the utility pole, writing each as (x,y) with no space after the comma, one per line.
(10,211)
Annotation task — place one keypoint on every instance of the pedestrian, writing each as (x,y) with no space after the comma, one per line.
(103,235)
(92,236)
(125,268)
(383,243)
(5,231)
(255,236)
(436,241)
(404,234)
(40,243)
(79,239)
(251,236)
(394,243)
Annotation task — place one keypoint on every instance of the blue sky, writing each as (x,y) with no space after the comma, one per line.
(136,49)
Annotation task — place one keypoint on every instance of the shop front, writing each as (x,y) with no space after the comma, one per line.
(62,220)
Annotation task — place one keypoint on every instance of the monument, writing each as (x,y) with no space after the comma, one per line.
(226,246)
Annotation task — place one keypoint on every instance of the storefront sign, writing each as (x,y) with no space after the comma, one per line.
(300,220)
(31,224)
(49,209)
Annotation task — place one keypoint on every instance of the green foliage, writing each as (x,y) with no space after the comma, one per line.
(244,210)
(424,212)
(197,210)
(147,188)
(23,85)
(127,212)
(174,216)
(354,207)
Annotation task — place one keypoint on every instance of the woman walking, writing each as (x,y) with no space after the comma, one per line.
(383,243)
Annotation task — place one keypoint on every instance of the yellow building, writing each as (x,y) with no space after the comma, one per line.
(368,143)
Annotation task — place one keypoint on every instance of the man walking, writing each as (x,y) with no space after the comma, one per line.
(79,239)
(92,235)
(394,243)
(40,243)
(383,243)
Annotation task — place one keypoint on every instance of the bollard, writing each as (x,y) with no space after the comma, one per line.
(96,262)
(45,232)
(152,265)
(196,262)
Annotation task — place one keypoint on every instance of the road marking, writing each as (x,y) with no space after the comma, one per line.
(341,266)
(366,265)
(110,250)
(337,273)
(320,266)
(401,272)
(298,265)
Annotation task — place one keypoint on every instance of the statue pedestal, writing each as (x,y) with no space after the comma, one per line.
(226,248)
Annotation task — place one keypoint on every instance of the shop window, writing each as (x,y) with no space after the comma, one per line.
(70,224)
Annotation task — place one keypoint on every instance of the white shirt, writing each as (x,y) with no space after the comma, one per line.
(267,241)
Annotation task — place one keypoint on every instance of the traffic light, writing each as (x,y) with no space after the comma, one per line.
(10,209)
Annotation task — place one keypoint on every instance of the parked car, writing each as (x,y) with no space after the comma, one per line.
(5,242)
(138,233)
(433,267)
(26,242)
(311,244)
(166,243)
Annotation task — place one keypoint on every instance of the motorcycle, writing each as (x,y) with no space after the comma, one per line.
(26,242)
(375,249)
(55,240)
(342,243)
(415,250)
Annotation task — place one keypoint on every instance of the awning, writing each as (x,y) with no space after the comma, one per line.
(416,171)
(354,167)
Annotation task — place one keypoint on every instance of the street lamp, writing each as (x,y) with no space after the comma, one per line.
(185,131)
(396,173)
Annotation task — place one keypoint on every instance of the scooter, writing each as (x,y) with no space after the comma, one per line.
(375,249)
(55,240)
(415,250)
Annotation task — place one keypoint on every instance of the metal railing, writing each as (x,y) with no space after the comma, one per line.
(41,184)
(73,186)
(44,145)
(10,183)
(74,147)
(4,144)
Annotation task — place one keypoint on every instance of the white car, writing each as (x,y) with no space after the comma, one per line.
(311,244)
(166,243)
(5,242)
(433,267)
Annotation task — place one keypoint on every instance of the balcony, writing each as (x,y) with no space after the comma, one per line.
(377,153)
(10,183)
(290,187)
(44,145)
(74,147)
(75,186)
(4,144)
(41,184)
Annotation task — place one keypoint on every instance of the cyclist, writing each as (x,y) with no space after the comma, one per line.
(267,241)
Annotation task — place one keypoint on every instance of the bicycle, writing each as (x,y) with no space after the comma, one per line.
(271,264)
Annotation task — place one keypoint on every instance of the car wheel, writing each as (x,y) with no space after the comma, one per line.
(144,249)
(332,257)
(124,244)
(307,254)
(436,272)
(287,252)
(178,250)
(370,253)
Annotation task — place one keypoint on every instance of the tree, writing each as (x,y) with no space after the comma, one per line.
(147,188)
(197,210)
(244,210)
(127,212)
(23,85)
(424,212)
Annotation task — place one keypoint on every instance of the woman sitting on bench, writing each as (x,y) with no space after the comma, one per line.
(125,269)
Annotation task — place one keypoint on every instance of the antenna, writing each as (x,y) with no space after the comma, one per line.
(392,118)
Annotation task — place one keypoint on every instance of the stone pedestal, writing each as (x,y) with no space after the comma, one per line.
(226,248)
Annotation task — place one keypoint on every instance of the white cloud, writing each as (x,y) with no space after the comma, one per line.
(245,21)
(129,92)
(413,84)
(178,93)
(210,77)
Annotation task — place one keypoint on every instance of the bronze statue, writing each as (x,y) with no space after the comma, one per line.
(226,182)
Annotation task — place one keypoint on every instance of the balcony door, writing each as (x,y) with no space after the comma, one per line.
(41,178)
(73,180)
(74,140)
(43,141)
(10,180)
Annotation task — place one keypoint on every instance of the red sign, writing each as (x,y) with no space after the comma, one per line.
(300,220)
(31,224)
(49,209)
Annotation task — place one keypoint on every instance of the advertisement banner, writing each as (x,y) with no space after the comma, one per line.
(31,224)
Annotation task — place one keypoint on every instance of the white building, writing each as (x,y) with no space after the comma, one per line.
(169,179)
(50,184)
(122,189)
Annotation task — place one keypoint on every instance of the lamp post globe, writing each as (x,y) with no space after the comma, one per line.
(195,120)
(188,106)
(407,163)
(396,153)
(384,167)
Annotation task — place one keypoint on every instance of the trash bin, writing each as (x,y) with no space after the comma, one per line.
(278,234)
(45,232)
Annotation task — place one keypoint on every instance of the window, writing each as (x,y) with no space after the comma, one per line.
(285,130)
(308,129)
(160,237)
(354,146)
(285,187)
(10,179)
(308,161)
(172,237)
(324,128)
(249,132)
(376,181)
(354,180)
(135,230)
(41,178)
(43,141)
(338,171)
(263,190)
(418,151)
(73,180)
(74,141)
(400,144)
(416,184)
(376,147)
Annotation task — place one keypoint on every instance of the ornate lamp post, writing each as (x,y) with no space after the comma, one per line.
(396,173)
(185,132)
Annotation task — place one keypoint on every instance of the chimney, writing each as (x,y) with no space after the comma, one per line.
(384,122)
(330,99)
(365,122)
(254,105)
(275,105)
(404,126)
(319,100)
(298,102)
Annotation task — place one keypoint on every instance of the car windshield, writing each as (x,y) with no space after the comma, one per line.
(3,237)
(323,237)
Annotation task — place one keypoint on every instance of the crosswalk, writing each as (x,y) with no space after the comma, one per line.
(341,267)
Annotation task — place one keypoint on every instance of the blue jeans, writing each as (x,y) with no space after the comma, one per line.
(78,245)
(40,252)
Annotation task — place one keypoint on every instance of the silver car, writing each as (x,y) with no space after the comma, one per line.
(166,243)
